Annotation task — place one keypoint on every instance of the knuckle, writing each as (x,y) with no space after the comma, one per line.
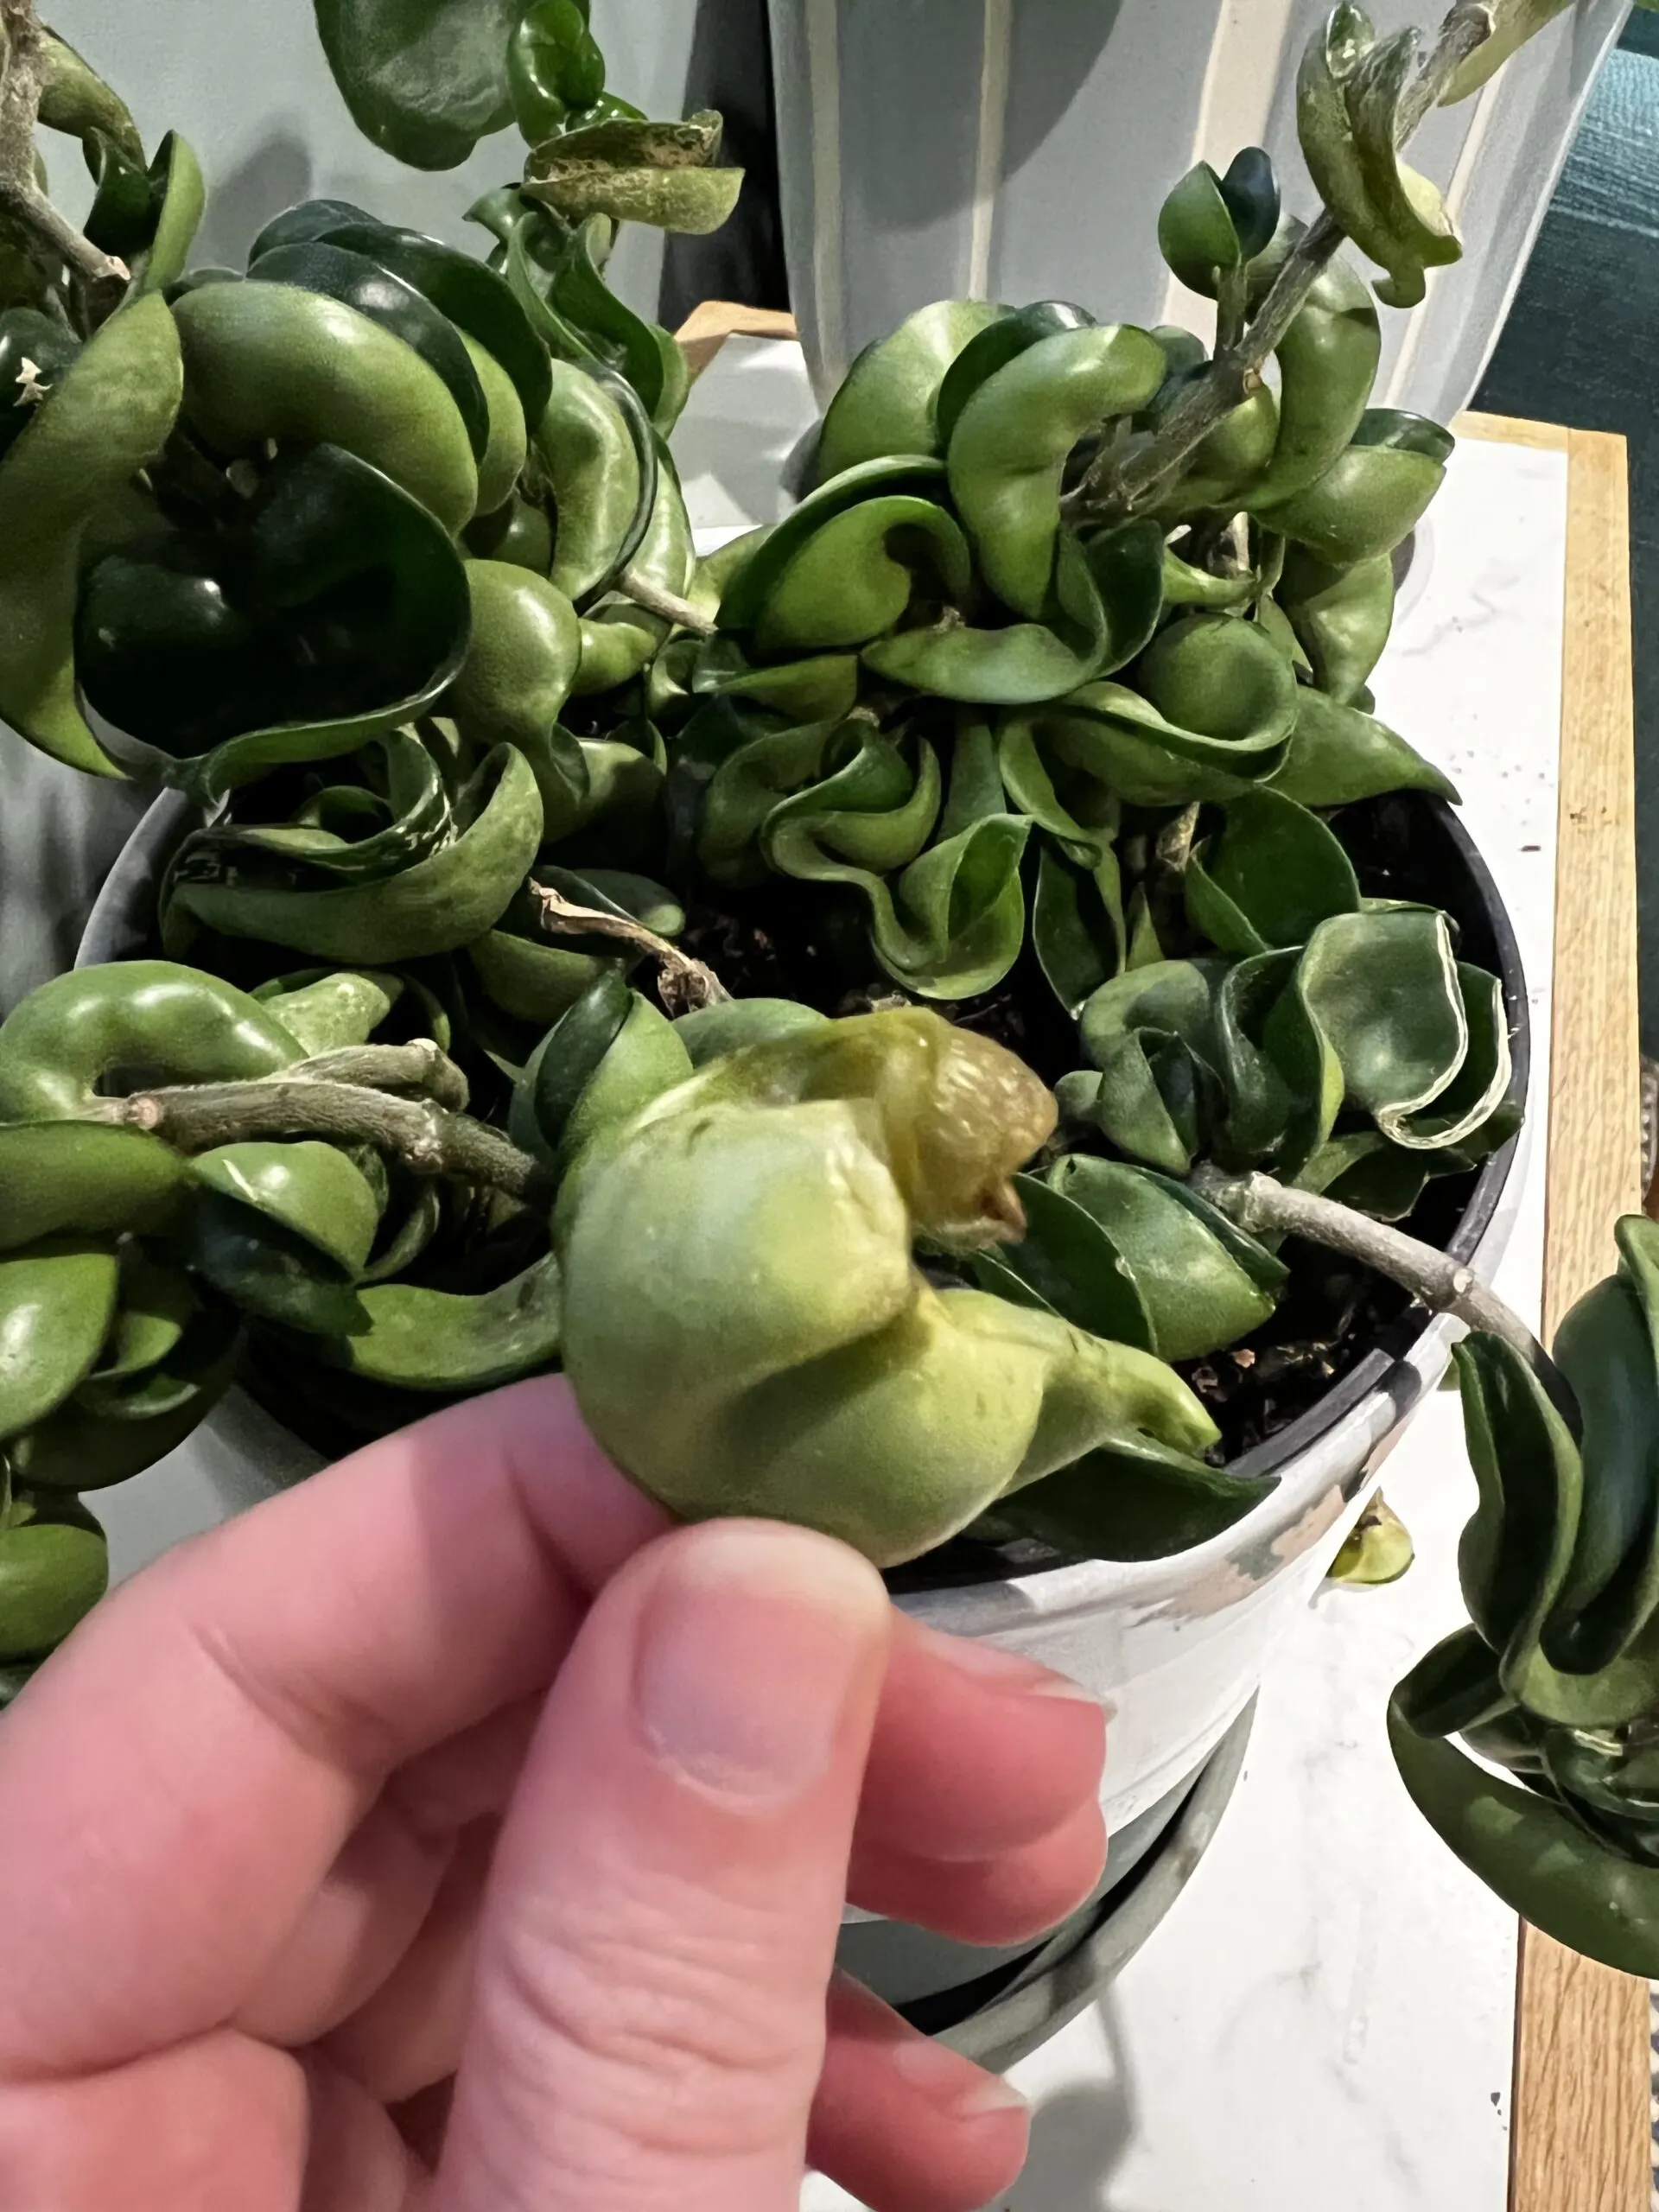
(678,2038)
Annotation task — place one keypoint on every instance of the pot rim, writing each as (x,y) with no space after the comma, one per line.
(1365,1406)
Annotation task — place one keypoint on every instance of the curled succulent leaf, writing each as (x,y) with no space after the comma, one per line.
(68,1035)
(603,1060)
(886,402)
(330,609)
(1211,708)
(554,65)
(1338,753)
(1327,364)
(1348,95)
(536,977)
(54,1566)
(589,457)
(110,414)
(271,360)
(1001,341)
(1010,444)
(1341,615)
(478,301)
(822,1379)
(1209,223)
(1373,495)
(522,659)
(637,172)
(146,216)
(398,893)
(424,80)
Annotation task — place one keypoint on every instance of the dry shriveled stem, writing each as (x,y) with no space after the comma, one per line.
(655,600)
(195,1117)
(684,984)
(1262,1207)
(20,198)
(1118,487)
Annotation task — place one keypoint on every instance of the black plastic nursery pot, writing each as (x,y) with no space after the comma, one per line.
(999,2004)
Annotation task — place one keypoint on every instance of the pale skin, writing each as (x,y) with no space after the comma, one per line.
(451,1834)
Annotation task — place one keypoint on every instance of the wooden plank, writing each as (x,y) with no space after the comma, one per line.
(707,326)
(1511,430)
(1580,2140)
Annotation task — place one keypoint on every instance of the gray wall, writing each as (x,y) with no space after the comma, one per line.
(248,88)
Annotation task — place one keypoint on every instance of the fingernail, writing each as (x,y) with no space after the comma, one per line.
(1010,1671)
(948,2085)
(751,1645)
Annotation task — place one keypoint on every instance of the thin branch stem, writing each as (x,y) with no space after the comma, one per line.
(1232,306)
(25,63)
(1118,488)
(668,604)
(195,1117)
(1262,1207)
(421,1065)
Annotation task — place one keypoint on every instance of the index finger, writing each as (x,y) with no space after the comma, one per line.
(180,1777)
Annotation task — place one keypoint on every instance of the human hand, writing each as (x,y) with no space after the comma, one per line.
(456,1761)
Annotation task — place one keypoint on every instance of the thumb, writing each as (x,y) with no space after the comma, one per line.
(648,2021)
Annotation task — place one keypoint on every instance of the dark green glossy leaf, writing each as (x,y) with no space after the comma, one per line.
(475,299)
(424,80)
(443,901)
(1202,1282)
(1533,1854)
(1001,338)
(1071,1258)
(1336,755)
(853,578)
(1273,873)
(1384,988)
(1152,1034)
(1020,665)
(91,1446)
(1008,450)
(337,610)
(1077,925)
(554,65)
(1133,1502)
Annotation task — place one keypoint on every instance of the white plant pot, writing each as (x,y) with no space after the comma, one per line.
(1019,150)
(1176,1647)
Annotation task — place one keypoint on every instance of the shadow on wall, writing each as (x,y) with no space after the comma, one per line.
(730,69)
(1579,348)
(61,831)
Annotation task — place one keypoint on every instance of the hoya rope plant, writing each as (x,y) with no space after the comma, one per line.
(871,1006)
